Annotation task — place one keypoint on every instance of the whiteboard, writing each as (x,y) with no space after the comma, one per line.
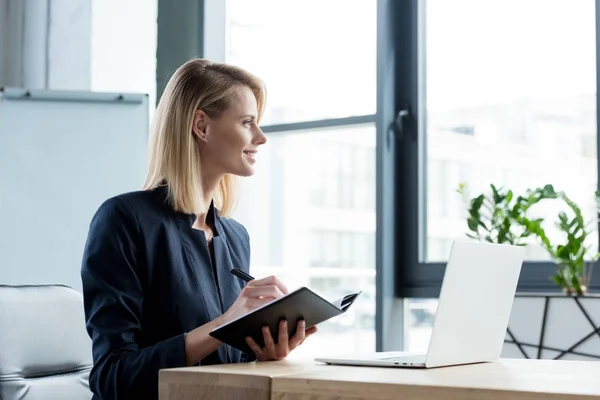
(61,155)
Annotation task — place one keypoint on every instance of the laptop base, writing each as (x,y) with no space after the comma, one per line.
(382,359)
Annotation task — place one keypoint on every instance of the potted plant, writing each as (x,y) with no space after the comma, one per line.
(502,217)
(534,329)
(573,255)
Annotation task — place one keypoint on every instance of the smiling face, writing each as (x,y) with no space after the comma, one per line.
(228,143)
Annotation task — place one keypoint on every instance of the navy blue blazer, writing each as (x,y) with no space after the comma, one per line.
(147,280)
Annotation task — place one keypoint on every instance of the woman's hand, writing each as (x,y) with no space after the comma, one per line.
(256,293)
(280,350)
(199,343)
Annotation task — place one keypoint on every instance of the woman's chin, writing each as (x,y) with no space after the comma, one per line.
(249,168)
(245,172)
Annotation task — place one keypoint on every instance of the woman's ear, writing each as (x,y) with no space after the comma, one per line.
(199,124)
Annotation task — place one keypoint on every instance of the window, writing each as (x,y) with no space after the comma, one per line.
(419,323)
(348,175)
(353,330)
(310,207)
(306,241)
(510,105)
(342,249)
(317,57)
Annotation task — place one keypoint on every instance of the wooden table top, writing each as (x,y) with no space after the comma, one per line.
(513,379)
(241,381)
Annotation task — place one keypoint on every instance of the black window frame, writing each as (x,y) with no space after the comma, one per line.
(415,278)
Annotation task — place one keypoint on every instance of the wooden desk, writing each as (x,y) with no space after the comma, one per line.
(250,381)
(507,379)
(288,380)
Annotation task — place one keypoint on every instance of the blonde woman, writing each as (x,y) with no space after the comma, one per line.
(156,266)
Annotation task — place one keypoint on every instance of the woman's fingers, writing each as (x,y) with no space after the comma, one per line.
(310,331)
(266,291)
(268,339)
(282,341)
(255,348)
(268,281)
(280,285)
(299,336)
(284,345)
(255,303)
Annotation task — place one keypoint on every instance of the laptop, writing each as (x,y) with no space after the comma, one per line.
(474,308)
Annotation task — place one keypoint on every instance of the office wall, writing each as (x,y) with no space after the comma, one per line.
(45,44)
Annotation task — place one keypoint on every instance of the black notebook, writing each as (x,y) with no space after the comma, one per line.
(302,303)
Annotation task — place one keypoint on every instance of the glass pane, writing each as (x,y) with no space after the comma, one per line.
(511,101)
(326,243)
(419,324)
(316,57)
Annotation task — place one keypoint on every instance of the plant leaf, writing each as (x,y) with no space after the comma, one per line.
(473,224)
(509,196)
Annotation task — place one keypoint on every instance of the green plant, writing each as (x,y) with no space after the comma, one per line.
(499,217)
(572,256)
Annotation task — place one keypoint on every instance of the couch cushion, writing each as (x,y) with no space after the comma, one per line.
(43,342)
(70,386)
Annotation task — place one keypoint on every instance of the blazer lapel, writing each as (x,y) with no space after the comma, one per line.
(229,284)
(199,258)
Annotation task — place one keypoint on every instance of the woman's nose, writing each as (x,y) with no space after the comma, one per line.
(260,137)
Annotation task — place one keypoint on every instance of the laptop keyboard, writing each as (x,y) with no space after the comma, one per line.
(406,359)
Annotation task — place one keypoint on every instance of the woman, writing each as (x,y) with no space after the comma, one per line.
(156,266)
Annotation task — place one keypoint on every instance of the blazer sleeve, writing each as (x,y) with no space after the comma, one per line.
(113,309)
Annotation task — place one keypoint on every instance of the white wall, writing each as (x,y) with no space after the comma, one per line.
(123,46)
(45,44)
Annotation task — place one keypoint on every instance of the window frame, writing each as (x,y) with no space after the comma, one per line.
(416,278)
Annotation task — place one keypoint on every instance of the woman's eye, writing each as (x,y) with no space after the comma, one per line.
(248,122)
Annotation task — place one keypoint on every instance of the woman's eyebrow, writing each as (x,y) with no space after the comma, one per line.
(248,116)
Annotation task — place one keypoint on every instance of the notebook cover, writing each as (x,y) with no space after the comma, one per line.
(301,303)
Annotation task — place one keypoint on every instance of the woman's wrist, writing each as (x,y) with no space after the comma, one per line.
(199,343)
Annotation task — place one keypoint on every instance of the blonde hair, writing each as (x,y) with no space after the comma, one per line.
(198,84)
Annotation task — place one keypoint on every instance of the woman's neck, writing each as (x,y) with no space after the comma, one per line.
(209,186)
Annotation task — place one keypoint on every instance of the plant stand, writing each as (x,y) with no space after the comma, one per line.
(554,326)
